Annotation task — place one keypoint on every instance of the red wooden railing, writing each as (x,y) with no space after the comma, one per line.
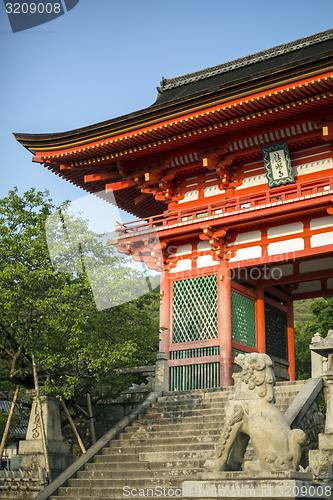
(248,202)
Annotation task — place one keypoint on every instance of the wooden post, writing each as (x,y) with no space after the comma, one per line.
(224,322)
(91,419)
(9,419)
(291,341)
(165,313)
(70,420)
(261,333)
(41,419)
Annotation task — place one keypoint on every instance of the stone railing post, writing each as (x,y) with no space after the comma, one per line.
(161,382)
(316,359)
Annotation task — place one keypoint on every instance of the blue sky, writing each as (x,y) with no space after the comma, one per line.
(105,58)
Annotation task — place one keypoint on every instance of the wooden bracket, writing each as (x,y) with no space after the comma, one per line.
(217,240)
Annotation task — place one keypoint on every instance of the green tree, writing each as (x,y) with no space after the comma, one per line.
(322,310)
(53,314)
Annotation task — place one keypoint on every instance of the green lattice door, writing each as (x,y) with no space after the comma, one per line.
(194,309)
(243,319)
(276,329)
(194,318)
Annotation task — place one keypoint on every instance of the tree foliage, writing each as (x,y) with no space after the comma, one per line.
(322,310)
(53,314)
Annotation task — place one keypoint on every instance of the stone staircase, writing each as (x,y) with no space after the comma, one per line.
(166,445)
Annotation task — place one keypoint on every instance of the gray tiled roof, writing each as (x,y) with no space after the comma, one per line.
(167,84)
(5,407)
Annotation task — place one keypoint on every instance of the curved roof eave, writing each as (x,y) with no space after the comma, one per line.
(190,90)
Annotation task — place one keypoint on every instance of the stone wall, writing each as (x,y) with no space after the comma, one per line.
(106,414)
(312,424)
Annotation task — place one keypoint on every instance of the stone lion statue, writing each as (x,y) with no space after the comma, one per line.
(251,414)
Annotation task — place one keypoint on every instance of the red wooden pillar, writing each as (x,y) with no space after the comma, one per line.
(291,343)
(261,333)
(224,322)
(165,313)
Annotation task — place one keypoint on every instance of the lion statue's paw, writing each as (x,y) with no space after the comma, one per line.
(213,466)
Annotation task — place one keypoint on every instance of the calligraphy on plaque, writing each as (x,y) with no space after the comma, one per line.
(278,165)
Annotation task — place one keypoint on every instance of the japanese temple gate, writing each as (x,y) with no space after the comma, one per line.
(232,169)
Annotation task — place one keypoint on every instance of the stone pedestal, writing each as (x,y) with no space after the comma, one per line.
(260,485)
(31,449)
(319,459)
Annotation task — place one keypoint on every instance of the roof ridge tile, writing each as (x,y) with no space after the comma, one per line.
(170,83)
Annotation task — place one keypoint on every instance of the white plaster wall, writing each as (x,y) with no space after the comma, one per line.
(247,237)
(184,249)
(293,245)
(308,286)
(247,254)
(206,261)
(189,196)
(203,245)
(321,239)
(316,265)
(284,230)
(322,222)
(182,265)
(212,191)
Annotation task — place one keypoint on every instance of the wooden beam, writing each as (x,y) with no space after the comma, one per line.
(37,159)
(224,322)
(67,167)
(260,310)
(140,198)
(102,176)
(117,186)
(291,342)
(328,132)
(298,277)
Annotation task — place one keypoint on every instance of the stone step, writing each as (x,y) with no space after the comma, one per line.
(177,426)
(209,420)
(216,404)
(114,483)
(165,436)
(117,487)
(174,456)
(89,497)
(207,402)
(180,413)
(188,395)
(196,392)
(210,417)
(17,494)
(175,414)
(166,445)
(124,457)
(132,474)
(139,448)
(184,396)
(112,466)
(158,441)
(290,383)
(187,406)
(182,464)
